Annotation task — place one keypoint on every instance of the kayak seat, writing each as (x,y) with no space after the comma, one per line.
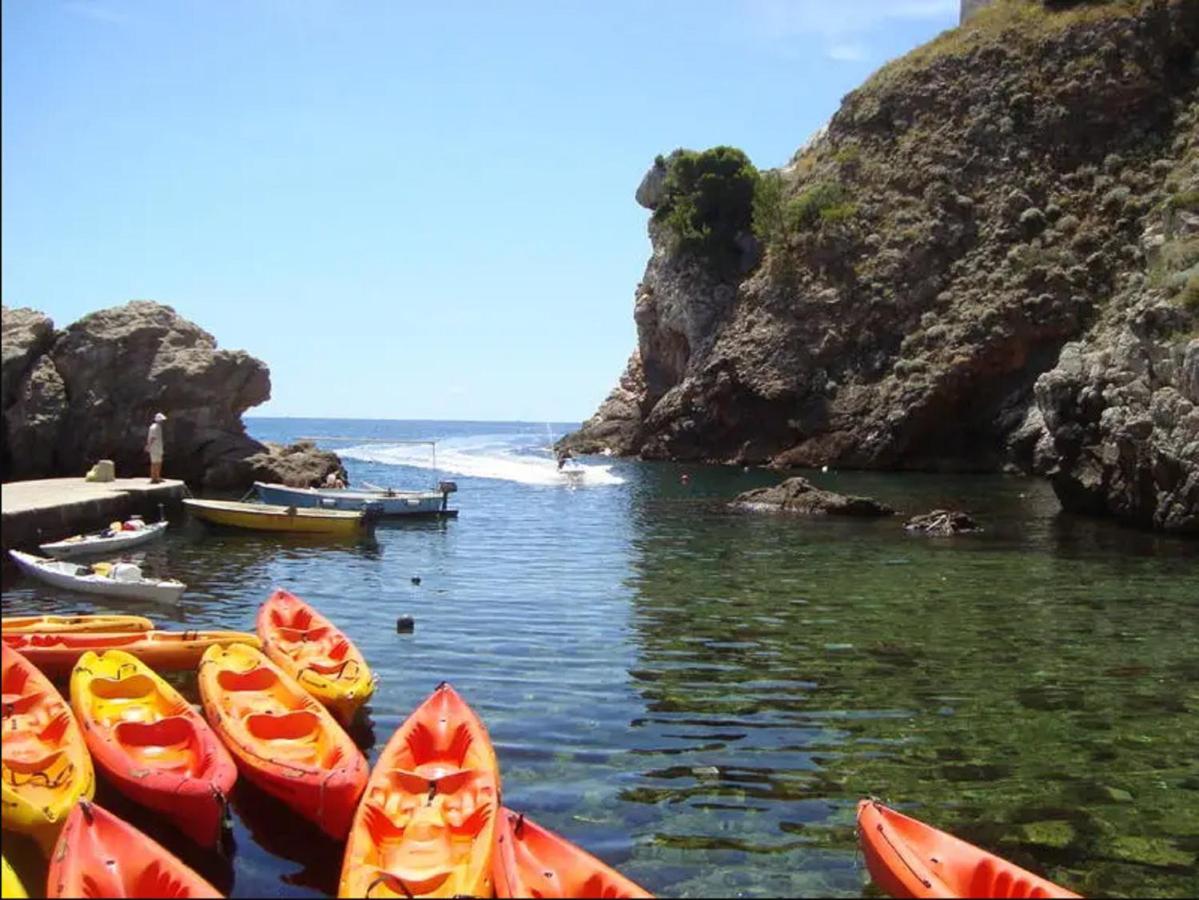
(19,704)
(294,726)
(992,880)
(169,744)
(255,680)
(155,880)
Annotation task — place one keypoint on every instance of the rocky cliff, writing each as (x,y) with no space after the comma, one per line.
(1014,201)
(89,392)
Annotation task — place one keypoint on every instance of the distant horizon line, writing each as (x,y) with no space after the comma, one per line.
(454,421)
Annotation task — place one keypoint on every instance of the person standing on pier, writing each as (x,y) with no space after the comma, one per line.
(154,447)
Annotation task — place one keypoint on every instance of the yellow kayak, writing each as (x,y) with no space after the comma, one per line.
(52,624)
(264,517)
(316,653)
(10,884)
(46,764)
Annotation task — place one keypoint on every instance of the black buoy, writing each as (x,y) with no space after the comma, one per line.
(405,625)
(416,579)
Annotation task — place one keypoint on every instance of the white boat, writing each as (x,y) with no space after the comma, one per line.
(572,473)
(114,579)
(107,541)
(385,501)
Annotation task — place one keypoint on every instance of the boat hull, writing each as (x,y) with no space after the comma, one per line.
(87,545)
(290,519)
(56,573)
(907,858)
(74,624)
(387,503)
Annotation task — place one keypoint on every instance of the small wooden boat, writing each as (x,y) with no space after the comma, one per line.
(56,653)
(111,579)
(426,824)
(10,884)
(282,738)
(531,861)
(73,624)
(907,858)
(150,742)
(110,540)
(293,519)
(316,653)
(46,766)
(100,855)
(387,502)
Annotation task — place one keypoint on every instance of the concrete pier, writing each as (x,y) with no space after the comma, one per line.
(49,509)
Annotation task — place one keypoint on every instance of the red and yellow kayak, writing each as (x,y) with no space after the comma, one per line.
(316,653)
(47,768)
(149,741)
(426,824)
(907,858)
(100,855)
(56,653)
(53,624)
(282,738)
(531,861)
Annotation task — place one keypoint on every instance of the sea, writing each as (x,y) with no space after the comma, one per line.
(701,697)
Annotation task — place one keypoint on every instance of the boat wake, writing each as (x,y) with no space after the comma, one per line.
(487,458)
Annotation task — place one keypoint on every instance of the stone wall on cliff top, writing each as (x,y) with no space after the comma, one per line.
(90,391)
(999,184)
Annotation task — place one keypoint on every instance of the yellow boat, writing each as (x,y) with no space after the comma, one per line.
(264,517)
(53,624)
(10,884)
(46,766)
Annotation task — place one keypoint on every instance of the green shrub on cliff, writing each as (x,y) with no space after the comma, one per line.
(825,201)
(708,200)
(770,222)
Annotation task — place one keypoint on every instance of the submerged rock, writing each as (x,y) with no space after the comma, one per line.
(798,495)
(942,522)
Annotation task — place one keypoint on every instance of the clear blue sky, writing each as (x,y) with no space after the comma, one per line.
(407,210)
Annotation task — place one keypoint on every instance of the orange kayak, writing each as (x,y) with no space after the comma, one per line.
(47,768)
(426,824)
(100,855)
(56,654)
(51,624)
(151,744)
(316,653)
(282,738)
(907,858)
(531,861)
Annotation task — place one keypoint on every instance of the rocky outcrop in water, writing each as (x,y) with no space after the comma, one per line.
(798,495)
(972,213)
(89,392)
(942,522)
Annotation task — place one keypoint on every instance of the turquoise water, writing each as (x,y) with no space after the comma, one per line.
(700,697)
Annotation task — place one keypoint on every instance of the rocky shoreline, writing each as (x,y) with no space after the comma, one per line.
(89,391)
(989,261)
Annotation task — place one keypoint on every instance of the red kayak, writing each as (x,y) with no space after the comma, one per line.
(531,861)
(907,858)
(99,855)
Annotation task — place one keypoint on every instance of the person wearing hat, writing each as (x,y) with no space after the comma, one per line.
(154,447)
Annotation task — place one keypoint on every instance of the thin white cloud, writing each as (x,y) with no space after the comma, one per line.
(96,11)
(842,27)
(847,52)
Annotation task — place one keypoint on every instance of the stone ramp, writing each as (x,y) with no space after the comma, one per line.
(49,509)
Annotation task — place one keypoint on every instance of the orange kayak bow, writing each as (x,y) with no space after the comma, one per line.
(907,858)
(100,855)
(426,824)
(531,861)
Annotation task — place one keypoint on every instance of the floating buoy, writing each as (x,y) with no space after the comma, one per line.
(416,579)
(405,625)
(685,478)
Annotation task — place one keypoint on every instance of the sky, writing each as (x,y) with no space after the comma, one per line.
(413,210)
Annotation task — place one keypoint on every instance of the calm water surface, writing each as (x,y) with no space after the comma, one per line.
(701,697)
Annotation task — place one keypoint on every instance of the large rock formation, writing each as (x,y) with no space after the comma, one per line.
(89,392)
(971,210)
(798,495)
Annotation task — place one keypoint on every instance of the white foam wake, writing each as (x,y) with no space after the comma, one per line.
(484,459)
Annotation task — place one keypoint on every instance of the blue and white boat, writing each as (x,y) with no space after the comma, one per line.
(383,501)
